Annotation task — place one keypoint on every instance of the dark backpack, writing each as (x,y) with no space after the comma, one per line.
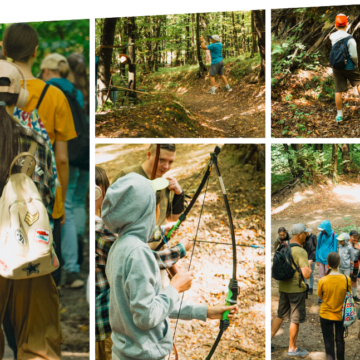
(339,54)
(282,264)
(78,148)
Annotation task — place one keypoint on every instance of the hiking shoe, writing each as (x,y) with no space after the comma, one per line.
(320,301)
(339,119)
(211,91)
(228,89)
(356,299)
(310,291)
(74,281)
(297,352)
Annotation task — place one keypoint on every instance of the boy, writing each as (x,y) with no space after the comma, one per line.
(346,253)
(354,237)
(351,71)
(217,63)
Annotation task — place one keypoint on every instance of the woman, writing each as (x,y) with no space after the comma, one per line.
(332,289)
(283,235)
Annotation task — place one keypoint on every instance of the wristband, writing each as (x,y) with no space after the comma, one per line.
(162,230)
(178,203)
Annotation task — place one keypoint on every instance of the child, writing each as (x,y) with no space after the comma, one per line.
(139,307)
(354,237)
(351,71)
(346,253)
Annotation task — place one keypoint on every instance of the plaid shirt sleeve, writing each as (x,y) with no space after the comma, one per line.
(168,257)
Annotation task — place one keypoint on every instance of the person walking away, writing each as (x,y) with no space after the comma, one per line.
(293,291)
(326,244)
(354,238)
(283,235)
(351,70)
(332,289)
(310,248)
(217,62)
(346,253)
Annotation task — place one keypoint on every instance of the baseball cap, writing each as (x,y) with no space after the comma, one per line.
(9,71)
(299,228)
(341,20)
(353,233)
(52,61)
(341,238)
(159,183)
(215,37)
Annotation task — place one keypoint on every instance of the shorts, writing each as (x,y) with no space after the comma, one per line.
(292,306)
(353,277)
(342,76)
(217,69)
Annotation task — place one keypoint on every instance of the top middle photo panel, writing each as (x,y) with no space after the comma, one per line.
(199,75)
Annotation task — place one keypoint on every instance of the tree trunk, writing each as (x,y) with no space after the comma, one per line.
(260,29)
(103,74)
(223,34)
(154,55)
(202,67)
(131,33)
(345,150)
(187,34)
(235,34)
(253,34)
(243,32)
(193,44)
(334,174)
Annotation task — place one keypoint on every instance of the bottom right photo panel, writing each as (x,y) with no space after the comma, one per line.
(315,225)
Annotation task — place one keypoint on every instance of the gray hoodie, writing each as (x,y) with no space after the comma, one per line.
(346,253)
(139,307)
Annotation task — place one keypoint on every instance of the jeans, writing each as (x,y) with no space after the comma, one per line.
(327,327)
(311,286)
(79,201)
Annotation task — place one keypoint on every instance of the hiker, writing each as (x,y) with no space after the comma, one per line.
(346,253)
(293,291)
(310,247)
(139,307)
(55,70)
(350,71)
(20,43)
(283,235)
(217,62)
(29,308)
(332,289)
(354,238)
(327,243)
(104,240)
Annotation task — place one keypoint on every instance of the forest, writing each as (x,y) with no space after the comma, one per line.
(64,37)
(152,76)
(303,91)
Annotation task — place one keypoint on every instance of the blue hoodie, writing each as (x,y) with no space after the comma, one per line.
(327,243)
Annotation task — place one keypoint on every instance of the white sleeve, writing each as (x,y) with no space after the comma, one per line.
(353,50)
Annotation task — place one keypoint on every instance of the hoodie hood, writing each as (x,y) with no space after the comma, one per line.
(327,242)
(346,237)
(129,207)
(325,225)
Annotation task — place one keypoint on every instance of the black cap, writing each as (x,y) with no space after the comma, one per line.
(353,233)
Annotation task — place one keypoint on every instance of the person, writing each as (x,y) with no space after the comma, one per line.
(104,240)
(354,238)
(217,62)
(139,307)
(20,43)
(283,235)
(332,289)
(293,291)
(326,244)
(346,253)
(351,71)
(29,307)
(310,247)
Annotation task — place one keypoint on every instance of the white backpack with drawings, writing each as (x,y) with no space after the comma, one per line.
(26,240)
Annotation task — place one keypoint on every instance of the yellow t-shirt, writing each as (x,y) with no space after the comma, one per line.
(333,289)
(55,113)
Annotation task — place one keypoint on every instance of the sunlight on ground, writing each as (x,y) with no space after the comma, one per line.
(281,208)
(104,158)
(318,355)
(298,197)
(280,332)
(314,309)
(344,192)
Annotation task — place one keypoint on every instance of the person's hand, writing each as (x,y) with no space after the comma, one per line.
(182,281)
(351,273)
(317,264)
(310,262)
(186,244)
(174,185)
(168,227)
(201,38)
(351,262)
(216,312)
(63,217)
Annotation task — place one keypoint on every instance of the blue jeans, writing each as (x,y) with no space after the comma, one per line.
(311,286)
(79,201)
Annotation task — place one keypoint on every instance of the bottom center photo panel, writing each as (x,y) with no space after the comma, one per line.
(180,251)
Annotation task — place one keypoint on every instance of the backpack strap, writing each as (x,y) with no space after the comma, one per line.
(42,96)
(29,158)
(301,277)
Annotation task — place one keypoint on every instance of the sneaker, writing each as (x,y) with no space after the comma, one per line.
(356,299)
(228,89)
(310,291)
(319,301)
(74,281)
(297,352)
(339,119)
(211,91)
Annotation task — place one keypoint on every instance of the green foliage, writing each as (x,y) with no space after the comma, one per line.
(347,227)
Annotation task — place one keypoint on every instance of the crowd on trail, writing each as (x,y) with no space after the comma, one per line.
(44,176)
(337,258)
(134,296)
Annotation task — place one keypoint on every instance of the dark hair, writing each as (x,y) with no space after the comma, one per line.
(282,229)
(20,41)
(79,69)
(9,134)
(101,179)
(168,147)
(2,56)
(333,261)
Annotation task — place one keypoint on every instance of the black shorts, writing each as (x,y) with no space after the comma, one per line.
(292,306)
(342,76)
(353,277)
(217,69)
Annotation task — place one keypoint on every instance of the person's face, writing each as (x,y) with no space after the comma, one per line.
(213,41)
(282,235)
(354,239)
(342,243)
(166,160)
(302,237)
(99,201)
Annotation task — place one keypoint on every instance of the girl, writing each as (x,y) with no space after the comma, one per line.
(283,235)
(332,289)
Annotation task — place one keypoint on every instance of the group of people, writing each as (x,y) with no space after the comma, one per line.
(43,109)
(134,299)
(337,258)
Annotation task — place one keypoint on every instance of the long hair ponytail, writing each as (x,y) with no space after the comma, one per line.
(333,261)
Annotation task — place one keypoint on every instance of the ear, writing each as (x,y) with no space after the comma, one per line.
(35,51)
(4,51)
(148,155)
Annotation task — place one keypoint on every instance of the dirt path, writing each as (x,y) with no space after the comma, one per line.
(310,206)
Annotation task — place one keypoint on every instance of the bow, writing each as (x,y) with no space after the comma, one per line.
(233,293)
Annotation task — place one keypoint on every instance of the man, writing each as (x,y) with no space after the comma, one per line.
(292,297)
(310,248)
(354,238)
(217,63)
(351,71)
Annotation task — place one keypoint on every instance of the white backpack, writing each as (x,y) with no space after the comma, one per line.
(26,240)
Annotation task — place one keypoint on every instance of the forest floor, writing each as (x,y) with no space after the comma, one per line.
(181,108)
(340,204)
(245,339)
(305,107)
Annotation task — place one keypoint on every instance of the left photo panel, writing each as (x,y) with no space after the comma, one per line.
(44,182)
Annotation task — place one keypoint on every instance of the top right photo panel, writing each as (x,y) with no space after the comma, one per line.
(315,77)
